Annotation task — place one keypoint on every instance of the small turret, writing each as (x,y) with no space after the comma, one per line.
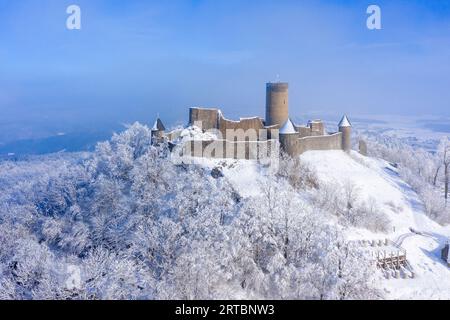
(158,131)
(345,127)
(288,138)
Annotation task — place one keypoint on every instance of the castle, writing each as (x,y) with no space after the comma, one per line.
(254,138)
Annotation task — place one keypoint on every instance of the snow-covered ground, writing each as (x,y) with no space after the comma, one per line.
(378,180)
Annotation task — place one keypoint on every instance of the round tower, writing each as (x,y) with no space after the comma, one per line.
(289,138)
(158,131)
(277,103)
(345,127)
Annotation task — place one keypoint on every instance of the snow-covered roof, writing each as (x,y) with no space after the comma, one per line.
(288,128)
(194,133)
(345,122)
(250,118)
(158,125)
(240,119)
(207,109)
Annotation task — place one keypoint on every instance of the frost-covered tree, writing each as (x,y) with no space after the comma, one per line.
(444,155)
(424,171)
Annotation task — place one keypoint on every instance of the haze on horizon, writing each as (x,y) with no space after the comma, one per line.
(135,59)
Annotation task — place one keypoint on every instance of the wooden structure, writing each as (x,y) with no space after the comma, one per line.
(391,260)
(389,257)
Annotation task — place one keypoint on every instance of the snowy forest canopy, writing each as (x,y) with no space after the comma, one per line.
(130,224)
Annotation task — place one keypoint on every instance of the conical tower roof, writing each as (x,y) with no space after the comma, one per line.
(288,127)
(158,126)
(344,122)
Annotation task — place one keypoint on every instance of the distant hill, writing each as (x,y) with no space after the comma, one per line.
(71,142)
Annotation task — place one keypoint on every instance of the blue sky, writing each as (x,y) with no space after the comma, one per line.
(134,59)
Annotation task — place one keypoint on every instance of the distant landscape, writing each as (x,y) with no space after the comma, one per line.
(415,131)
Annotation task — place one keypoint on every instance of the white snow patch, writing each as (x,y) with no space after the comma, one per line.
(244,175)
(196,133)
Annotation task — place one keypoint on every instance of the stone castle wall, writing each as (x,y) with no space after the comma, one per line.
(314,128)
(219,149)
(255,124)
(303,131)
(249,138)
(254,150)
(327,142)
(317,128)
(209,118)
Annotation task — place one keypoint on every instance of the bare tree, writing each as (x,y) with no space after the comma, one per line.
(351,194)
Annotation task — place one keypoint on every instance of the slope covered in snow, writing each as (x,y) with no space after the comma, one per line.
(379,180)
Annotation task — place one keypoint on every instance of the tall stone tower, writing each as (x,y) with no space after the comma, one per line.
(277,103)
(346,128)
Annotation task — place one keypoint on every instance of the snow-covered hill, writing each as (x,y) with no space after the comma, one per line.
(378,181)
(137,224)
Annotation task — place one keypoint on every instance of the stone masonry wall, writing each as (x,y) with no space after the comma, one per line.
(303,131)
(209,118)
(249,150)
(328,142)
(244,124)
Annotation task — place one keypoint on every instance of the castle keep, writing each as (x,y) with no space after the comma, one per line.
(255,138)
(277,103)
